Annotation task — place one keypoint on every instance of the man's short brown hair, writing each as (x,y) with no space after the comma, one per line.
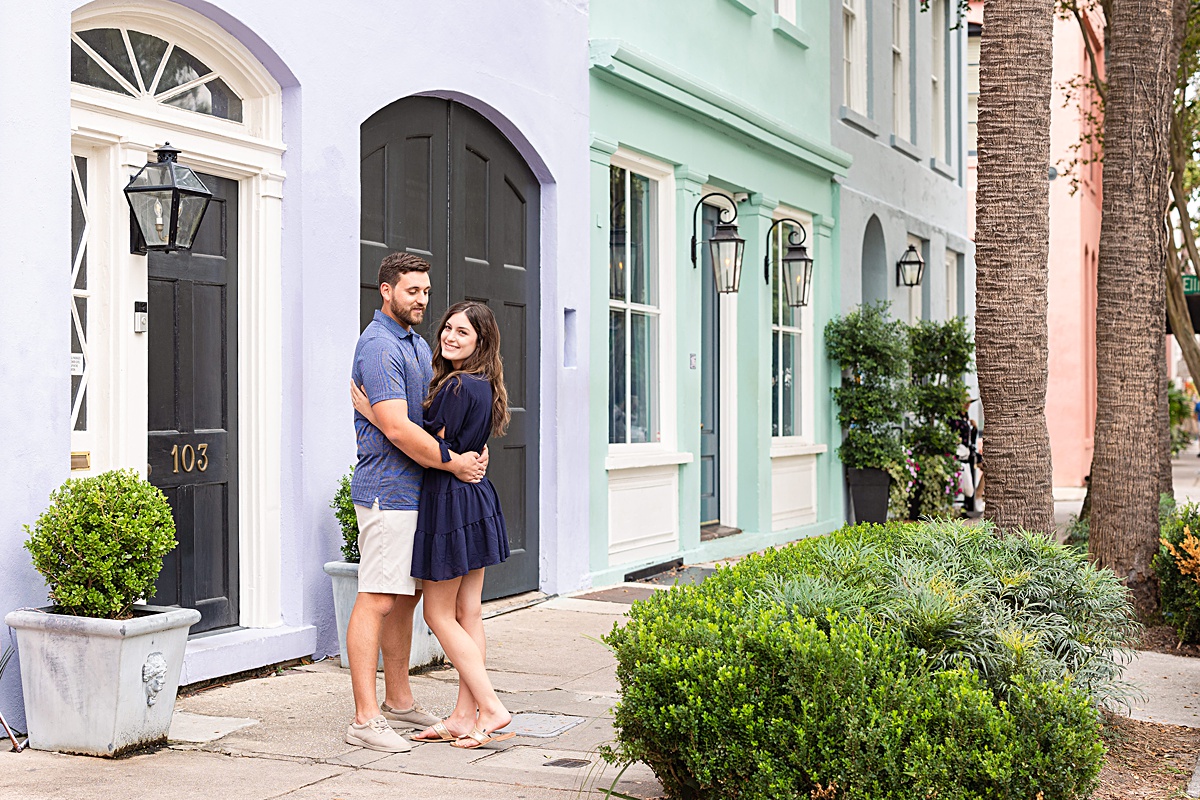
(396,264)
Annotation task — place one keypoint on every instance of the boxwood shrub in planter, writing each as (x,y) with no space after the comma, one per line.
(99,673)
(914,661)
(425,648)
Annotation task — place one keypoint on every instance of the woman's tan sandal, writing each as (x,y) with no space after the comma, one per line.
(443,733)
(477,738)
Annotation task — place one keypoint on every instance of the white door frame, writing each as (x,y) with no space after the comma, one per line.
(118,134)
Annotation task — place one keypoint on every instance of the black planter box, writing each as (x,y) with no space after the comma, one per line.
(868,494)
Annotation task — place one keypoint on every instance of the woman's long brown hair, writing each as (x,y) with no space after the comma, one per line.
(484,362)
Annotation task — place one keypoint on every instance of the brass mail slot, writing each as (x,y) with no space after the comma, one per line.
(81,460)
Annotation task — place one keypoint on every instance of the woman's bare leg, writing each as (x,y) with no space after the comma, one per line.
(468,611)
(441,612)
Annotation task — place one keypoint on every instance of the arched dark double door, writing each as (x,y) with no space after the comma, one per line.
(441,181)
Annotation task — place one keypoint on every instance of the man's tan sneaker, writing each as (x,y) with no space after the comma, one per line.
(415,717)
(377,734)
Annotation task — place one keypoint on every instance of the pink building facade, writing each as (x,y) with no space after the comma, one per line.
(1075,200)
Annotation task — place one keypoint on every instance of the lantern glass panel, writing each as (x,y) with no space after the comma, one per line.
(153,212)
(191,210)
(797,269)
(727,251)
(186,179)
(153,174)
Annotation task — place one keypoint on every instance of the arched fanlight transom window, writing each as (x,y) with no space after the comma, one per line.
(137,64)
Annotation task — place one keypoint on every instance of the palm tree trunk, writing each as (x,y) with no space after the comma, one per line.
(1143,58)
(1011,251)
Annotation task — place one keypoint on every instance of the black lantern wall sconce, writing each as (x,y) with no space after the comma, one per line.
(797,264)
(167,201)
(726,247)
(910,268)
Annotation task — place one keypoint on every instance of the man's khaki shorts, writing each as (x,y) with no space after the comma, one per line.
(385,546)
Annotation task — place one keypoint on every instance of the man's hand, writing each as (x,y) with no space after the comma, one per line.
(467,467)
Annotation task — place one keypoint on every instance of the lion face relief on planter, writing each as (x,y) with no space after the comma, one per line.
(99,670)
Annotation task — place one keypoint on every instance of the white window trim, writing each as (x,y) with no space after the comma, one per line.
(854,93)
(668,414)
(120,133)
(951,262)
(938,89)
(901,72)
(805,329)
(786,9)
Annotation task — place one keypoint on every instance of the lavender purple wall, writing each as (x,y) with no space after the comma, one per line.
(522,63)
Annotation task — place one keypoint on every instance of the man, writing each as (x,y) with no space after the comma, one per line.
(393,364)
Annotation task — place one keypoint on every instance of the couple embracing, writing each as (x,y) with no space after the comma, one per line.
(429,521)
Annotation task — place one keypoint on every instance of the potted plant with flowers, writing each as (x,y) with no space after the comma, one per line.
(99,670)
(871,349)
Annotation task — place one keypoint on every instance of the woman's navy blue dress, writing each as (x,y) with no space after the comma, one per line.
(460,526)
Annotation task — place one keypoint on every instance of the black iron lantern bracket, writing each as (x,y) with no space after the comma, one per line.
(723,211)
(793,241)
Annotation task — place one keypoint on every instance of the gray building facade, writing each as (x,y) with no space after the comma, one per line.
(898,107)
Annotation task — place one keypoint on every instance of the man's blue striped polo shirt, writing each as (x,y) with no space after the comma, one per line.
(393,364)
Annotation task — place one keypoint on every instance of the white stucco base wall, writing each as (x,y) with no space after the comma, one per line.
(222,654)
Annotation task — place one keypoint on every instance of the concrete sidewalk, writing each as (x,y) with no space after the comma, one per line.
(281,737)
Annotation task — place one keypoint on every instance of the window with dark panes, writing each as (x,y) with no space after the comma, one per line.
(633,308)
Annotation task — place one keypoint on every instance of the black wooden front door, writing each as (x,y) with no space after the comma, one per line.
(710,381)
(193,411)
(441,181)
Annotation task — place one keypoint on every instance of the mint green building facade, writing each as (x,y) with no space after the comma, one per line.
(712,432)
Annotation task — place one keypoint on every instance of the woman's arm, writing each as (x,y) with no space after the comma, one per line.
(391,418)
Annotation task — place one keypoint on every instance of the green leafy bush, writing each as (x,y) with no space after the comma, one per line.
(871,349)
(1180,412)
(101,543)
(941,357)
(897,661)
(343,510)
(1177,565)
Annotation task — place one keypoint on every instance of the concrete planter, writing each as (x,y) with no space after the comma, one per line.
(426,651)
(100,687)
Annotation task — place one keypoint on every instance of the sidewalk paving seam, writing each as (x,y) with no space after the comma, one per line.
(304,786)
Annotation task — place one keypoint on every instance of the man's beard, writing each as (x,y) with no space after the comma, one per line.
(410,316)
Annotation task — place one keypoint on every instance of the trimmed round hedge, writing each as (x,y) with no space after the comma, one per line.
(101,542)
(876,663)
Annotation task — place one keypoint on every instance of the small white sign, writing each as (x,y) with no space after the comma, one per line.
(76,363)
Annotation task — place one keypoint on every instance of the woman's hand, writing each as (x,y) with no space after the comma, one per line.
(362,404)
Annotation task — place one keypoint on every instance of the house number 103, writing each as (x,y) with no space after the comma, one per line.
(190,458)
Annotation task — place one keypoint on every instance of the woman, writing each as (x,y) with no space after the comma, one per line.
(460,527)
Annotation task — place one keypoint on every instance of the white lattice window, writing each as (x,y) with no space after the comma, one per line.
(140,65)
(80,360)
(854,56)
(901,124)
